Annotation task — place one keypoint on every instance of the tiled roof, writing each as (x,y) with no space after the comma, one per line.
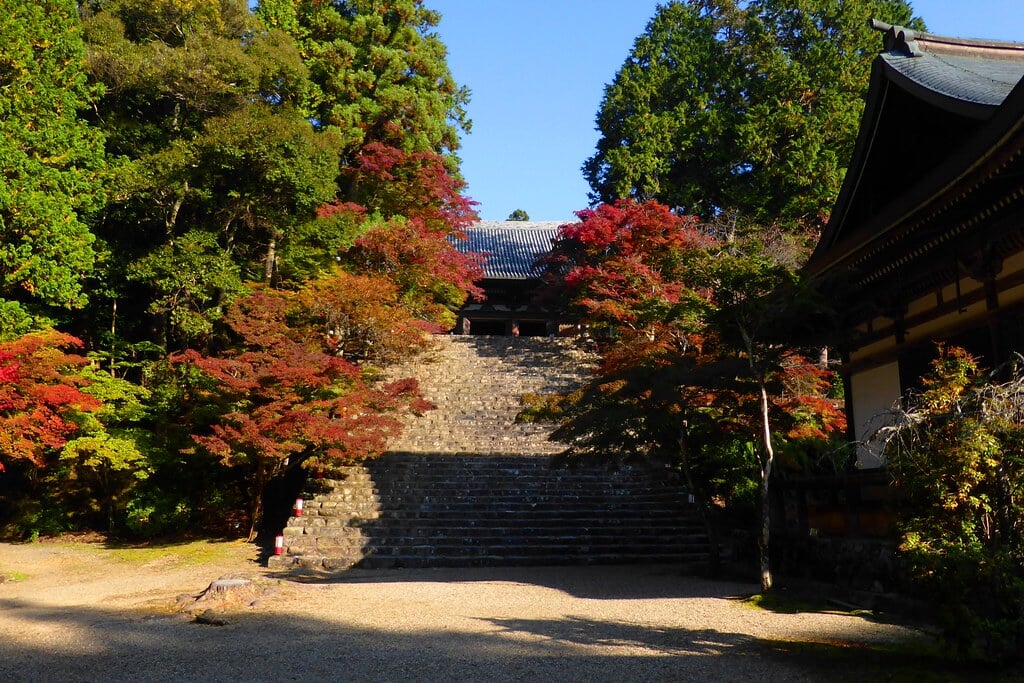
(510,247)
(968,79)
(883,200)
(967,70)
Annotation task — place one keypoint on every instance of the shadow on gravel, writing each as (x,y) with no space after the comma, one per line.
(824,661)
(96,644)
(856,661)
(601,582)
(101,645)
(575,631)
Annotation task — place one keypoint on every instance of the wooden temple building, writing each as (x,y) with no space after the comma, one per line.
(510,282)
(929,224)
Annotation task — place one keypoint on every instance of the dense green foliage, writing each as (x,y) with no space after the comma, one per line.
(259,212)
(957,456)
(377,72)
(50,163)
(747,108)
(217,169)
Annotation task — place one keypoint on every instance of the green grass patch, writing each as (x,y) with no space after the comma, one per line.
(186,553)
(785,603)
(909,662)
(6,576)
(782,602)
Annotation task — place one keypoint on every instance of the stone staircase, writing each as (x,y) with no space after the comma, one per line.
(476,384)
(466,486)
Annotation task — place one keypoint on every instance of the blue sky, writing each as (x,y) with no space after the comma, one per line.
(537,71)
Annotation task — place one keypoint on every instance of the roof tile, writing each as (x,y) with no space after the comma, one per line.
(510,247)
(968,79)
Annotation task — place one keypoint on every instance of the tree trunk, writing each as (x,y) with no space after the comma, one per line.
(256,504)
(113,336)
(270,263)
(171,221)
(104,494)
(767,461)
(255,512)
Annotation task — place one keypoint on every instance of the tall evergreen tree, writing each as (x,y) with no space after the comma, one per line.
(752,108)
(379,72)
(49,163)
(380,81)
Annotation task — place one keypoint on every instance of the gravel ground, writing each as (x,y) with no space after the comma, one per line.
(84,613)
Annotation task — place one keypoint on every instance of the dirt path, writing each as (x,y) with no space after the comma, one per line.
(81,612)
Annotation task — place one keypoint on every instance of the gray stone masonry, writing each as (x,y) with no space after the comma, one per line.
(476,384)
(466,486)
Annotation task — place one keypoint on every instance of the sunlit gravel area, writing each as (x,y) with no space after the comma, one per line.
(85,613)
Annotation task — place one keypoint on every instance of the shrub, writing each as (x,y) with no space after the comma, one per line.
(957,455)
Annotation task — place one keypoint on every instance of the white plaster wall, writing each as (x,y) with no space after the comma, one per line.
(874,392)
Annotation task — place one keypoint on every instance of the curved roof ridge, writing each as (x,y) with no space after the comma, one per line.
(914,43)
(988,94)
(965,76)
(517,225)
(951,81)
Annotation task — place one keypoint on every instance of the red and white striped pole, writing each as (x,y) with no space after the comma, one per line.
(279,545)
(298,507)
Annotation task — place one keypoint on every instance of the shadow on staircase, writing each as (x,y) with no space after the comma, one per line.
(465,485)
(423,510)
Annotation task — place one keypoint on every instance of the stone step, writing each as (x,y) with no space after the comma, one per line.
(382,561)
(476,385)
(491,518)
(507,483)
(590,558)
(466,485)
(425,524)
(460,537)
(441,554)
(494,546)
(511,500)
(408,529)
(397,468)
(512,481)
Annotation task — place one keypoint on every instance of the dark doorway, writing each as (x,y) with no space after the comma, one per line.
(533,328)
(488,327)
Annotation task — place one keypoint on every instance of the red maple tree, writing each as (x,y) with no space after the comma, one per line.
(283,397)
(626,270)
(695,347)
(410,208)
(391,182)
(41,395)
